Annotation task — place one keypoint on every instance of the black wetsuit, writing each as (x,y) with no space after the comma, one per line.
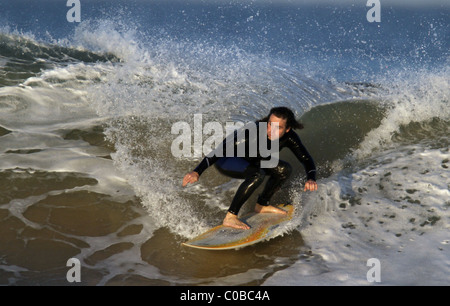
(249,168)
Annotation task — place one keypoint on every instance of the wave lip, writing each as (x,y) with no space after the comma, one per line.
(413,98)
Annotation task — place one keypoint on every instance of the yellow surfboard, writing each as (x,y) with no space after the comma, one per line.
(262,227)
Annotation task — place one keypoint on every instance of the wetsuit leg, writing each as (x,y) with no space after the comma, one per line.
(278,175)
(237,167)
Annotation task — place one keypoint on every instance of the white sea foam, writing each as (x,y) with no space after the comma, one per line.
(396,210)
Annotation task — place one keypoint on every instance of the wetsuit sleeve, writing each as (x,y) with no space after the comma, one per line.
(205,163)
(214,156)
(296,146)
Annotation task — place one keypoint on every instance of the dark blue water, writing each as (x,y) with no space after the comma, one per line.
(331,37)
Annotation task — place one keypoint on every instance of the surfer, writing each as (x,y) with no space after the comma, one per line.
(280,125)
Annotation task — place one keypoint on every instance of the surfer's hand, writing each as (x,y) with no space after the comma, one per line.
(310,185)
(191,177)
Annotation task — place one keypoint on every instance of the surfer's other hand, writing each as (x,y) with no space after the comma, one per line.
(191,177)
(310,185)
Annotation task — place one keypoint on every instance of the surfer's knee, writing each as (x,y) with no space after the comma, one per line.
(283,170)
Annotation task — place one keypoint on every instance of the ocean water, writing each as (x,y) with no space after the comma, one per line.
(87,108)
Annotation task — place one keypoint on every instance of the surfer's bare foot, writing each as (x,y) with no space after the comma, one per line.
(233,221)
(269,209)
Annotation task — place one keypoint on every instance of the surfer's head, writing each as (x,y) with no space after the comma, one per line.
(280,121)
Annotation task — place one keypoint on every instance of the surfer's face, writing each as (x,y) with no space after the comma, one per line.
(276,127)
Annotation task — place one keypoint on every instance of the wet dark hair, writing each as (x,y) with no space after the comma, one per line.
(286,114)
